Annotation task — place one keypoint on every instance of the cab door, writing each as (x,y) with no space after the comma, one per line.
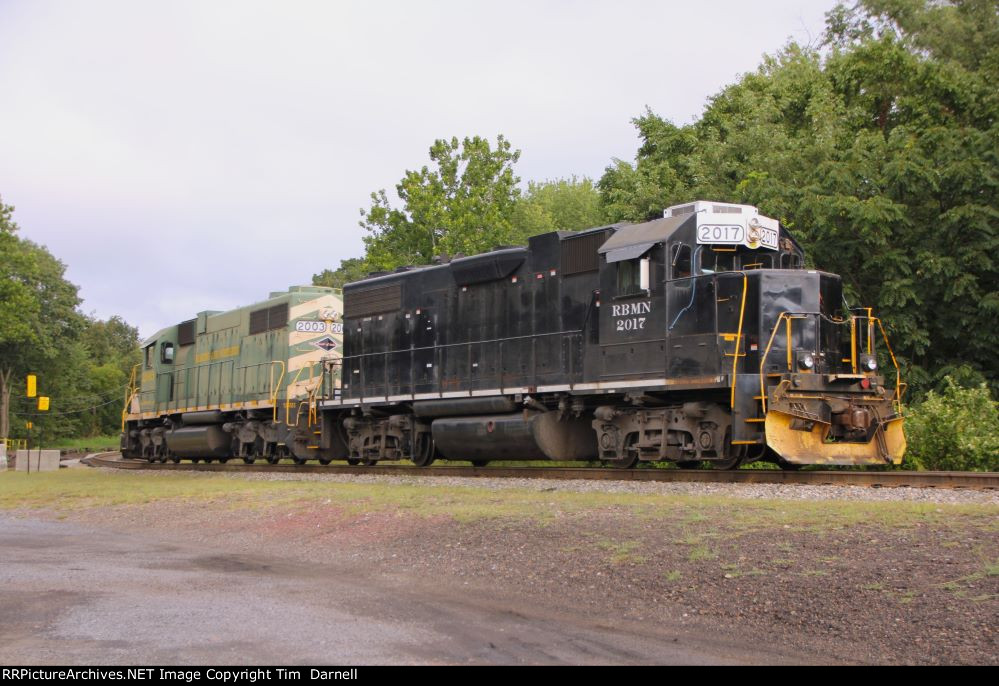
(728,302)
(164,376)
(632,314)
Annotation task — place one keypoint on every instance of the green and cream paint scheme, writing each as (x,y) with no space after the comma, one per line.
(268,356)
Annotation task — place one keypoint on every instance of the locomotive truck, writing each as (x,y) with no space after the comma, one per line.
(699,337)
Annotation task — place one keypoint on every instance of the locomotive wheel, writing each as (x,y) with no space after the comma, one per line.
(175,459)
(630,458)
(353,461)
(734,454)
(369,462)
(479,463)
(249,460)
(299,460)
(324,460)
(423,456)
(273,459)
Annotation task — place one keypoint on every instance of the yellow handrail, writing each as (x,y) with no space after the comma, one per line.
(787,316)
(853,343)
(276,390)
(130,392)
(18,443)
(766,353)
(312,415)
(898,372)
(870,331)
(313,393)
(738,338)
(287,399)
(790,366)
(288,403)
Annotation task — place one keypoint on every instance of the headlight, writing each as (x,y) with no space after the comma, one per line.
(806,361)
(869,363)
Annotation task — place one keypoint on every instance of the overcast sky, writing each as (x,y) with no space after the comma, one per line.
(184,156)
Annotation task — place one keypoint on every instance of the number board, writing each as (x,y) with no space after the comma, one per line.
(724,229)
(721,233)
(310,326)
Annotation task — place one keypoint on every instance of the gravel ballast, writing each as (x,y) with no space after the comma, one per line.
(954,496)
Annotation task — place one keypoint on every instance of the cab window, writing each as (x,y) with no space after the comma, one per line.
(149,355)
(166,352)
(633,276)
(680,261)
(714,260)
(790,260)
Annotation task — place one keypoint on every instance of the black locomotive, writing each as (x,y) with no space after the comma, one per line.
(697,337)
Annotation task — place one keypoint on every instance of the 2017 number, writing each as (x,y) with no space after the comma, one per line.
(719,233)
(631,324)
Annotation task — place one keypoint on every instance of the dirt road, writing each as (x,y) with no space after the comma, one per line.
(80,594)
(99,566)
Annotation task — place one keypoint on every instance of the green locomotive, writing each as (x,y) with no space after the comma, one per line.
(242,383)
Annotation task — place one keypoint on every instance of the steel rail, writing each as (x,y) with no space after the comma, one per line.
(895,479)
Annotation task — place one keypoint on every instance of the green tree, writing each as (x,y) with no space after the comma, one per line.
(351,269)
(880,154)
(957,429)
(38,318)
(111,341)
(462,203)
(467,203)
(82,363)
(111,350)
(560,205)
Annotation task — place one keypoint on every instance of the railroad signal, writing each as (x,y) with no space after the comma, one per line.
(32,386)
(43,403)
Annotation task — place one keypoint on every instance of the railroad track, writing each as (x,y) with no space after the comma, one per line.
(971,480)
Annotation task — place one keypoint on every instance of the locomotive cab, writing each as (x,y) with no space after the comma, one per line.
(715,297)
(672,287)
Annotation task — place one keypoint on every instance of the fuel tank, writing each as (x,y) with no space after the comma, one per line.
(538,436)
(199,441)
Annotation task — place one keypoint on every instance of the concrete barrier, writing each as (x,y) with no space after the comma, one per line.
(48,461)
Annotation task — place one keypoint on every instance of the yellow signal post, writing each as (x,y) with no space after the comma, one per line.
(32,386)
(43,406)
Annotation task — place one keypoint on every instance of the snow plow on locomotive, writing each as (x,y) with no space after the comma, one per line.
(695,338)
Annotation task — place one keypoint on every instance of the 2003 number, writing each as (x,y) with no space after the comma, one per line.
(311,326)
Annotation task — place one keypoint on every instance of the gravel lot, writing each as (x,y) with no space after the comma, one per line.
(73,595)
(776,573)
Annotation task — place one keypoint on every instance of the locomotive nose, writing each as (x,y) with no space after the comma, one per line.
(834,425)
